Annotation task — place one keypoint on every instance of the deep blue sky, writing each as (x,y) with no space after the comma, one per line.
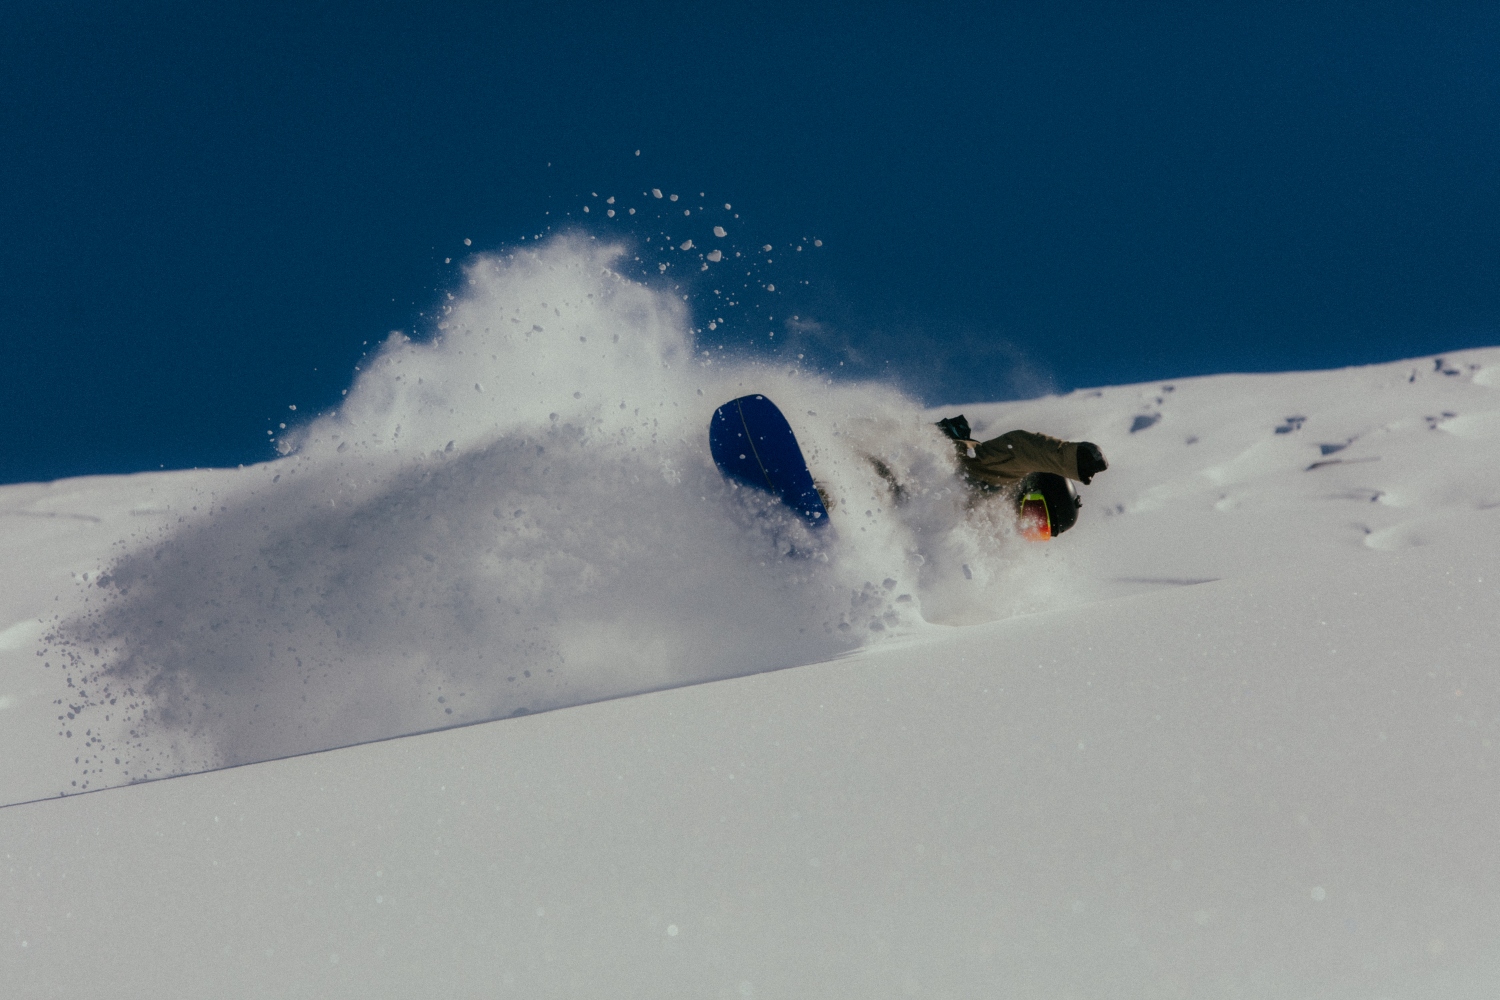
(206,209)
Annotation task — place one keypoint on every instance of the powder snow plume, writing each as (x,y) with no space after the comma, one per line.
(518,514)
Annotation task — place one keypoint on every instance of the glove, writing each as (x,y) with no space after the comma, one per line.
(1090,461)
(955,427)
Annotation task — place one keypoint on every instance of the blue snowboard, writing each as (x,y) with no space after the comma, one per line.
(752,443)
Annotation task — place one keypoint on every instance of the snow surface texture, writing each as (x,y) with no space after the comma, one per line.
(1233,735)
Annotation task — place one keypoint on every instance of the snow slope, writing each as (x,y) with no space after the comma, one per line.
(1234,735)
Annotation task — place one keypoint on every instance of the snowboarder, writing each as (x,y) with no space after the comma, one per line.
(1030,469)
(752,443)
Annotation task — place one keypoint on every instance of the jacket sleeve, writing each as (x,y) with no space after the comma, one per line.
(1008,458)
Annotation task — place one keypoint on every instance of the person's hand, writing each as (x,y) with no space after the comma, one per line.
(955,427)
(1090,461)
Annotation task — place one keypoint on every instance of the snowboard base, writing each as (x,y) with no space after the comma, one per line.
(752,443)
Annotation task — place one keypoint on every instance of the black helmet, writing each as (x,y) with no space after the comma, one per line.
(1047,504)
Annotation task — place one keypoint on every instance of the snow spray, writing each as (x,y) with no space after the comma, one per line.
(519,513)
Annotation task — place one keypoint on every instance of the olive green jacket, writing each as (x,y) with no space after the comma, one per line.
(1005,460)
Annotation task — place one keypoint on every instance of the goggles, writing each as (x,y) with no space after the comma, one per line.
(1035,522)
(1046,506)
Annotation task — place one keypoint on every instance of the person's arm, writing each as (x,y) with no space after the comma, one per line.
(1011,456)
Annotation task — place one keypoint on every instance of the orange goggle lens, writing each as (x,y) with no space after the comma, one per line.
(1034,523)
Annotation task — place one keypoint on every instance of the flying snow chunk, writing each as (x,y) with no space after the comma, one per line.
(656,192)
(715,256)
(672,197)
(687,245)
(719,232)
(817,243)
(468,242)
(770,288)
(767,248)
(610,212)
(610,200)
